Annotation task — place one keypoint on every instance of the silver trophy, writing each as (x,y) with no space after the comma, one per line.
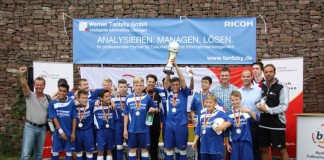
(173,49)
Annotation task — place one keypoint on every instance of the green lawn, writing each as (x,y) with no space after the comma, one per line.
(2,157)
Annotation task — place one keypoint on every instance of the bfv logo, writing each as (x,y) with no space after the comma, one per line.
(318,136)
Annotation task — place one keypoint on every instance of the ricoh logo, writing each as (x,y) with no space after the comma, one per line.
(318,136)
(238,24)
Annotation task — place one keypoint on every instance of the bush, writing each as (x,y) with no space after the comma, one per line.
(11,137)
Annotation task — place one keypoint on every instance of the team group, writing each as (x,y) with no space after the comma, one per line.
(244,122)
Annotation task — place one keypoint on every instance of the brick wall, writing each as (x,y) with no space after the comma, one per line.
(34,31)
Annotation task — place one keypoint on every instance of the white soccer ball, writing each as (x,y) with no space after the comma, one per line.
(218,122)
(215,125)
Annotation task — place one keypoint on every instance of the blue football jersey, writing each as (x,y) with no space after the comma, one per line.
(137,115)
(65,112)
(176,107)
(162,105)
(86,113)
(102,114)
(211,142)
(240,130)
(198,100)
(120,103)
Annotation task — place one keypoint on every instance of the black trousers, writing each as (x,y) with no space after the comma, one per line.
(254,129)
(155,134)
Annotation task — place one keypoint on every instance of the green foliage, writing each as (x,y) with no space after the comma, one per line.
(19,108)
(4,143)
(10,140)
(10,144)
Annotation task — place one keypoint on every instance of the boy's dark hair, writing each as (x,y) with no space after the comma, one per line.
(122,81)
(258,63)
(236,94)
(64,85)
(61,80)
(81,80)
(82,92)
(151,76)
(208,79)
(174,79)
(102,93)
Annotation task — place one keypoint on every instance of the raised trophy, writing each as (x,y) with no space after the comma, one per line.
(173,50)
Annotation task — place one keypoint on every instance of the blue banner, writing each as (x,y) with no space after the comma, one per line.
(145,41)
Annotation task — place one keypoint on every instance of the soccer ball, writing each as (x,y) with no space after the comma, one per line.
(217,122)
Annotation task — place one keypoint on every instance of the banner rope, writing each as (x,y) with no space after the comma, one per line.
(264,22)
(64,26)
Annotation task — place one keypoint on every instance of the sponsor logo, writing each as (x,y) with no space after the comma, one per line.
(318,136)
(238,24)
(44,74)
(271,93)
(128,75)
(83,26)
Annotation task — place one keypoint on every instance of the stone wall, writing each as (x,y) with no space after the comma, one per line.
(34,31)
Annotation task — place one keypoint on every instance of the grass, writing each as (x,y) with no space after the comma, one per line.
(4,157)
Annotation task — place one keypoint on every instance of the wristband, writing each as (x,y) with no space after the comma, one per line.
(267,109)
(60,131)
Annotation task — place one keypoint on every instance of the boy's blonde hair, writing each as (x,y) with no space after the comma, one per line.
(108,80)
(212,97)
(236,94)
(138,79)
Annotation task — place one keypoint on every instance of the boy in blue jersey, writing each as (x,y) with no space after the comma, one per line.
(64,115)
(210,129)
(106,85)
(136,131)
(120,102)
(55,95)
(84,85)
(176,120)
(84,132)
(104,120)
(239,140)
(197,103)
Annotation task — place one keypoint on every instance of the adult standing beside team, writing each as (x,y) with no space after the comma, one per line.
(225,89)
(272,126)
(257,69)
(250,95)
(155,127)
(36,116)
